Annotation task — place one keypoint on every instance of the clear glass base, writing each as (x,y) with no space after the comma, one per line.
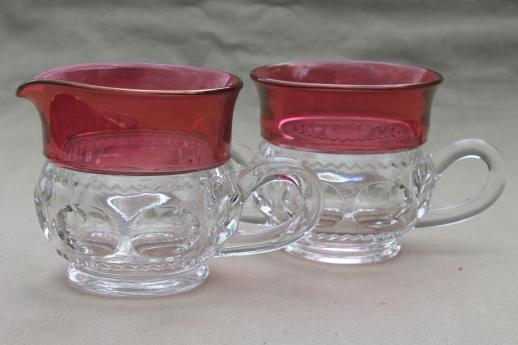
(346,253)
(135,286)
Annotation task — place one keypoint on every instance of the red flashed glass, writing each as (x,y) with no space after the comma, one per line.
(345,106)
(135,119)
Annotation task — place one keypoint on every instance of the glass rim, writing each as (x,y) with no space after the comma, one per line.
(438,78)
(236,82)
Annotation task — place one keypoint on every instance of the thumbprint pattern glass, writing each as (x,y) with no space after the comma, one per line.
(361,127)
(138,191)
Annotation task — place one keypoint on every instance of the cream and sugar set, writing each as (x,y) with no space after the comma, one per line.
(139,191)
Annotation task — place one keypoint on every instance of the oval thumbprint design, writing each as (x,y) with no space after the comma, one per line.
(86,229)
(165,231)
(384,206)
(349,133)
(137,151)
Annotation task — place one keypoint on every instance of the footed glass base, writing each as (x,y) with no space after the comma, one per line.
(346,252)
(135,286)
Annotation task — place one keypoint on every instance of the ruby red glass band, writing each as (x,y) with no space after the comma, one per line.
(345,106)
(135,119)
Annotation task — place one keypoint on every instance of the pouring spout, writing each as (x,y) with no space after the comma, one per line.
(30,89)
(134,119)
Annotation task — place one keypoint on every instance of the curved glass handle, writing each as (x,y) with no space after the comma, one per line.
(258,239)
(468,148)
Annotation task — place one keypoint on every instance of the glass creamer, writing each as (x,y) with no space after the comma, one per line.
(138,191)
(362,127)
